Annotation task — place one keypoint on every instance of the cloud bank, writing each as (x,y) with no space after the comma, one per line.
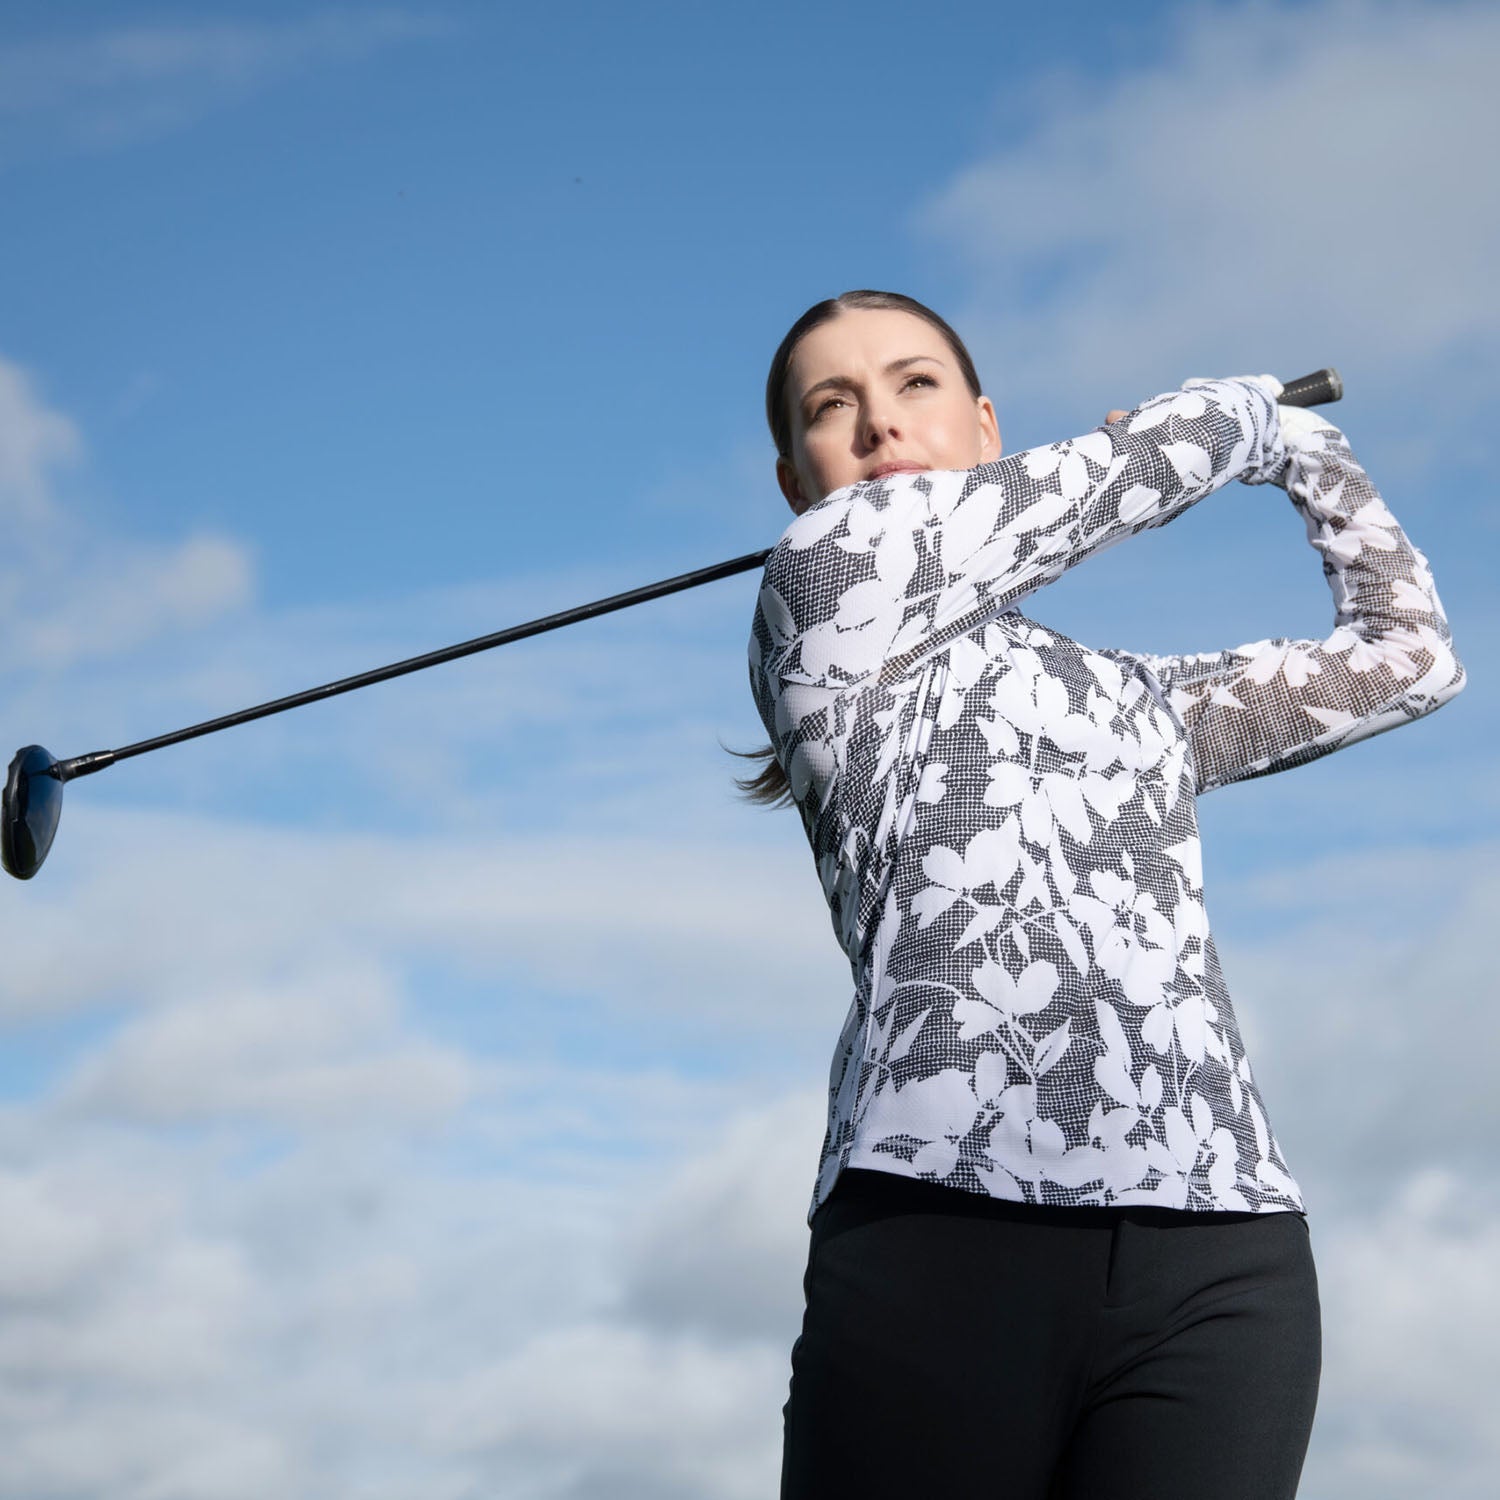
(1286,186)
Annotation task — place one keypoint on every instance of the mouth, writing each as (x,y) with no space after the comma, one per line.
(896,466)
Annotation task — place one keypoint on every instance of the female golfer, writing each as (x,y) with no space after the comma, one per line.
(1055,1249)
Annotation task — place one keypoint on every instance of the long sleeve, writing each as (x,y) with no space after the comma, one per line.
(866,588)
(1272,704)
(878,576)
(1004,821)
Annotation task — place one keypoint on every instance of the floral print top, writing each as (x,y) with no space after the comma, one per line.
(1004,820)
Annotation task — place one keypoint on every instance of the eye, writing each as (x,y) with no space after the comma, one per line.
(919,380)
(826,404)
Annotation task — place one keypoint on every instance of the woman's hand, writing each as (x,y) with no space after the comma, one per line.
(1115,416)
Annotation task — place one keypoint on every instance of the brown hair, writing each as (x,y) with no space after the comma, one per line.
(769,785)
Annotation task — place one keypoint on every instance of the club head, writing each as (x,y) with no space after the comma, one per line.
(33,804)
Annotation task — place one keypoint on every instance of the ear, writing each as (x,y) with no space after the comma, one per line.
(989,431)
(791,486)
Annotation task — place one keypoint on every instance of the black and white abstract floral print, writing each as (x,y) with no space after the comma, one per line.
(1004,821)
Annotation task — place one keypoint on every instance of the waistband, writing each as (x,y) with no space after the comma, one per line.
(891,1193)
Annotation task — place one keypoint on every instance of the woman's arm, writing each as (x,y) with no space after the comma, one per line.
(878,576)
(1274,704)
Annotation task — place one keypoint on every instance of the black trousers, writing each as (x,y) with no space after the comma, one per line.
(957,1347)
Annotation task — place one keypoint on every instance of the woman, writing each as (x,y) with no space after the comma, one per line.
(1055,1248)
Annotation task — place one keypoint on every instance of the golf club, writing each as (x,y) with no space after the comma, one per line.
(34,784)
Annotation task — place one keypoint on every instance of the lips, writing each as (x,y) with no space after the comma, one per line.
(896,466)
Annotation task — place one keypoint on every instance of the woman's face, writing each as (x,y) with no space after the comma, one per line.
(878,391)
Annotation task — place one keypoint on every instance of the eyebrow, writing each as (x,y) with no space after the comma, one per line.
(844,382)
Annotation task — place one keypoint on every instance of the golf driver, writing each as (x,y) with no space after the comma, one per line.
(34,784)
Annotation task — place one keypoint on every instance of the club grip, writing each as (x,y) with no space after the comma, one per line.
(1313,390)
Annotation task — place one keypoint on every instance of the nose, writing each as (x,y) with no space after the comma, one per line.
(881,423)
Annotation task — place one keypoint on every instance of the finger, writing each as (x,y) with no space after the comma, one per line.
(1115,416)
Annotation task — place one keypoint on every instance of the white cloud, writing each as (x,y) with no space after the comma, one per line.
(720,1251)
(116,600)
(1287,186)
(34,440)
(1367,1007)
(175,907)
(134,83)
(145,1452)
(1364,986)
(610,1328)
(64,1238)
(327,1047)
(364,1321)
(601,1409)
(175,1319)
(1411,1312)
(71,591)
(348,1228)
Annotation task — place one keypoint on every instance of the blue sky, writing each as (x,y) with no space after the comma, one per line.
(418,1095)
